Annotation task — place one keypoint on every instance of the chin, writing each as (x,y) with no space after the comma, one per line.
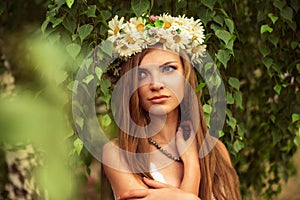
(158,109)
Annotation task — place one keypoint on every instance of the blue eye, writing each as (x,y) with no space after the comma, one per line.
(141,74)
(168,68)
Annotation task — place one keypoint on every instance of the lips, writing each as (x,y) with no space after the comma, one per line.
(159,99)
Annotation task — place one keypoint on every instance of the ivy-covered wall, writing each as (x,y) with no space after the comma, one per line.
(255,45)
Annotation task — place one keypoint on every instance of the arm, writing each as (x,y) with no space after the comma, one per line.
(120,179)
(189,155)
(159,191)
(126,186)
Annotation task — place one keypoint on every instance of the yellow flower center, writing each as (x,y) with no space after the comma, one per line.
(124,47)
(130,40)
(195,50)
(140,27)
(195,37)
(162,40)
(177,38)
(167,25)
(116,31)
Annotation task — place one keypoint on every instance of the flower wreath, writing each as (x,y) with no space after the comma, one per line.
(174,33)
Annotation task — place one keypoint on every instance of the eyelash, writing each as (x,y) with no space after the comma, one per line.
(170,67)
(164,67)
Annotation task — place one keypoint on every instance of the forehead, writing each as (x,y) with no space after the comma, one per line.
(160,56)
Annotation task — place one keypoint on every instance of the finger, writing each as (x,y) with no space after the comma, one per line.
(187,130)
(155,184)
(138,193)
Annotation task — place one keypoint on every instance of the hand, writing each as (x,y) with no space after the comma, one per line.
(159,191)
(186,143)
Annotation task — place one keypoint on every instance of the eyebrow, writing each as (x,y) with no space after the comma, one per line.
(167,63)
(164,64)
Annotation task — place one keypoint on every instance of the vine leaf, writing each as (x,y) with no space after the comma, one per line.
(91,12)
(279,4)
(73,49)
(238,96)
(140,7)
(69,3)
(272,17)
(264,28)
(264,50)
(107,47)
(234,82)
(88,79)
(223,56)
(229,98)
(295,117)
(223,35)
(78,145)
(238,145)
(230,24)
(287,13)
(209,3)
(84,31)
(267,62)
(277,88)
(105,120)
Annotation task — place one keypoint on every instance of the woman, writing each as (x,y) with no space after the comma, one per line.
(164,78)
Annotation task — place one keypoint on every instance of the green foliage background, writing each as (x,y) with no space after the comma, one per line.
(255,44)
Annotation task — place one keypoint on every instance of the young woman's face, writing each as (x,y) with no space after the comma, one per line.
(161,81)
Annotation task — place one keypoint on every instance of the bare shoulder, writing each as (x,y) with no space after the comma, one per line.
(112,156)
(117,170)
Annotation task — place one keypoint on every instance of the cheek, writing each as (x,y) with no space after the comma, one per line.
(176,86)
(142,90)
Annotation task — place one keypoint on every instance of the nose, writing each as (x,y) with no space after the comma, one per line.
(156,83)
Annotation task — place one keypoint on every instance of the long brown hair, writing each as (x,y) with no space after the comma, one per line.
(218,177)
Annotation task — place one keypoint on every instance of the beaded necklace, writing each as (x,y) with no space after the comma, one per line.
(165,152)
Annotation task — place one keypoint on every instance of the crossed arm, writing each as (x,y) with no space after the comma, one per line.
(126,186)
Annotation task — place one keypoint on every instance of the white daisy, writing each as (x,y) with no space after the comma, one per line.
(128,44)
(167,19)
(136,24)
(177,42)
(115,26)
(196,52)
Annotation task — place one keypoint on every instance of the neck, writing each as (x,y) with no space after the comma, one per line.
(168,131)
